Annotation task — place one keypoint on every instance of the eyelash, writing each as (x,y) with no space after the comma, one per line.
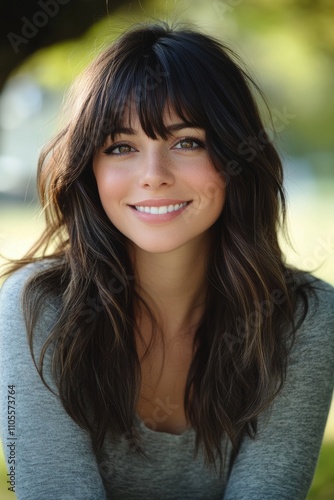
(198,144)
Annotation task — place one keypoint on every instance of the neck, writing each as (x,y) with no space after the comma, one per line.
(174,285)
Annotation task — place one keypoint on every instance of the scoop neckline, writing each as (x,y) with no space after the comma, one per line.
(152,432)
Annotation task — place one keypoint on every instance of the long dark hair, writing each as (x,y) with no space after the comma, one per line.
(249,323)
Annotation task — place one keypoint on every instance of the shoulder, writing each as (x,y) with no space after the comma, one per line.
(15,315)
(280,461)
(12,310)
(11,292)
(319,319)
(15,283)
(313,349)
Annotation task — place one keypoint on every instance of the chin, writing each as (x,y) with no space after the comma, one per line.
(156,247)
(167,244)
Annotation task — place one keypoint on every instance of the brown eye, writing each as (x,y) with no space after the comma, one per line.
(123,149)
(120,149)
(187,144)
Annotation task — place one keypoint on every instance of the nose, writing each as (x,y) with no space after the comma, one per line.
(156,171)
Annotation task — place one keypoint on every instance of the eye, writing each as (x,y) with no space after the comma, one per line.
(119,149)
(189,143)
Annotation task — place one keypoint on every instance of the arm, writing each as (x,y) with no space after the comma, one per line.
(280,462)
(53,455)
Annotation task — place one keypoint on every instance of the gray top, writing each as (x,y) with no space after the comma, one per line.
(53,457)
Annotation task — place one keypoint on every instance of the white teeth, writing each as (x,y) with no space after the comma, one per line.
(161,210)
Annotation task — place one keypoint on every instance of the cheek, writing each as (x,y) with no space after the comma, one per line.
(213,189)
(111,184)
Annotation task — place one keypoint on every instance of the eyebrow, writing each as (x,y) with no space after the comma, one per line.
(170,128)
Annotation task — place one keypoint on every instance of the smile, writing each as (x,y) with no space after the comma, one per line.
(161,210)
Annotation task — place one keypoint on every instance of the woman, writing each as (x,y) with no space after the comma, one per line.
(181,357)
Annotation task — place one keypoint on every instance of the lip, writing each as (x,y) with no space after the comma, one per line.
(159,202)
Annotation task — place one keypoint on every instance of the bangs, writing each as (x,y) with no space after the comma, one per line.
(149,85)
(151,73)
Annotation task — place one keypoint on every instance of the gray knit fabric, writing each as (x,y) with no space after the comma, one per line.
(54,458)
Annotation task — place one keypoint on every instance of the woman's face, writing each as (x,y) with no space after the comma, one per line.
(161,194)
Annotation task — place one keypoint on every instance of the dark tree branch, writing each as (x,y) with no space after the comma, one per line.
(29,25)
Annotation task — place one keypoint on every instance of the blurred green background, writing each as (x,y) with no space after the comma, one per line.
(287,46)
